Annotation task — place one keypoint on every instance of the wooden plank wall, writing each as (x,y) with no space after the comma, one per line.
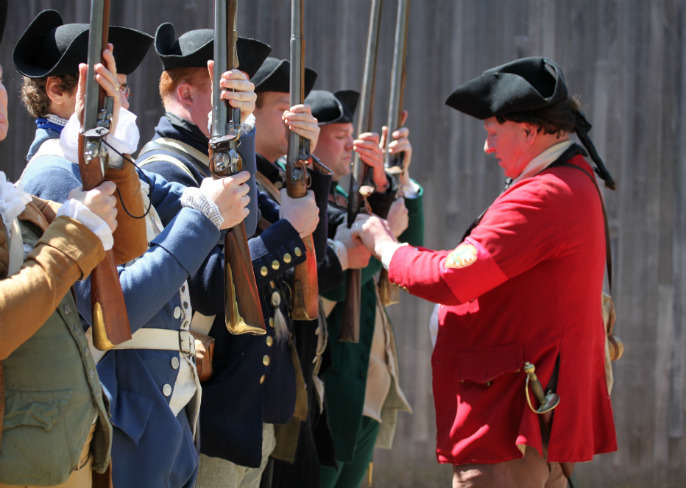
(627,59)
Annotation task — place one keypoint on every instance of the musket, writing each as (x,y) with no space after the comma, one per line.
(242,309)
(394,162)
(110,320)
(361,184)
(305,300)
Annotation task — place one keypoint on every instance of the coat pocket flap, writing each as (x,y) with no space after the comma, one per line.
(487,364)
(131,413)
(35,408)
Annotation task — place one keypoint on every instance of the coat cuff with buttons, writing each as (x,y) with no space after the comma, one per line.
(275,250)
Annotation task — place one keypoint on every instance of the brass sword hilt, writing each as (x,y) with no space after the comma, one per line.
(546,401)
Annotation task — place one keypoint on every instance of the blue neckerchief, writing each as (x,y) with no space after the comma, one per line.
(43,123)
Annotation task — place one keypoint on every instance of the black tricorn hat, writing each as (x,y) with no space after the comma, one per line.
(518,86)
(194,48)
(49,47)
(274,75)
(333,108)
(3,16)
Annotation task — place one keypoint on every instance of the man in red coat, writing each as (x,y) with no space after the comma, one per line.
(524,285)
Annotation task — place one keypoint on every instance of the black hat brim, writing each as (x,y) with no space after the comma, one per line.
(43,51)
(194,48)
(333,108)
(251,54)
(49,47)
(521,85)
(274,75)
(130,47)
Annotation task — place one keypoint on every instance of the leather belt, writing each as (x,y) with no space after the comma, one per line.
(161,339)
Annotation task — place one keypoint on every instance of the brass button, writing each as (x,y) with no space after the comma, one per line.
(275,265)
(271,322)
(287,258)
(266,360)
(264,377)
(298,252)
(488,383)
(264,271)
(270,341)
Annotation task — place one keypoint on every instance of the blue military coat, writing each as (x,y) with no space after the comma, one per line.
(151,447)
(254,378)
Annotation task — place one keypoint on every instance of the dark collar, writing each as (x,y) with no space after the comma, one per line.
(171,125)
(268,169)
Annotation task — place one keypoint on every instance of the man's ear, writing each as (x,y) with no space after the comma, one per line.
(53,88)
(184,92)
(530,131)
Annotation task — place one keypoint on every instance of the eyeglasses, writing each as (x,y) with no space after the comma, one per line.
(125,90)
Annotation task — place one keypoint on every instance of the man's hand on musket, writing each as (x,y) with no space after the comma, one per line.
(237,89)
(398,217)
(357,253)
(299,119)
(371,154)
(302,213)
(376,235)
(399,144)
(106,76)
(230,194)
(100,200)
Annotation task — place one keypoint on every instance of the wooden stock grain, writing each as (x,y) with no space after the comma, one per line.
(242,307)
(243,311)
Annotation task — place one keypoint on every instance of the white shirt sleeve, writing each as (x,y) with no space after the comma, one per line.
(78,211)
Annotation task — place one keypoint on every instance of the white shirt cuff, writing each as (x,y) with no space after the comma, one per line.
(388,251)
(341,253)
(125,138)
(78,211)
(411,190)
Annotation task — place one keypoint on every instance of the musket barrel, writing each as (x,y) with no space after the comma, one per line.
(360,180)
(393,163)
(97,40)
(305,300)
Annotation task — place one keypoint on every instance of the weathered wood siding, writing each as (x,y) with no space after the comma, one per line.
(626,58)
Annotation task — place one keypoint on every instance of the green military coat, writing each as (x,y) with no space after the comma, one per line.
(346,380)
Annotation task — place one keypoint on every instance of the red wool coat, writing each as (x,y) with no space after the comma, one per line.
(524,286)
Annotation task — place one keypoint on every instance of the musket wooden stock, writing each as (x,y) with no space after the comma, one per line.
(305,300)
(243,311)
(242,308)
(110,321)
(361,184)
